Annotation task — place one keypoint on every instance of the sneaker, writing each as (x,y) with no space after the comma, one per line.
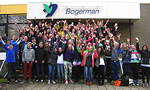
(143,85)
(41,80)
(133,84)
(66,82)
(16,81)
(49,81)
(37,80)
(147,85)
(137,84)
(30,82)
(70,81)
(86,83)
(90,83)
(53,82)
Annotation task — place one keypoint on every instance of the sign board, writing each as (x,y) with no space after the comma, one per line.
(83,10)
(2,56)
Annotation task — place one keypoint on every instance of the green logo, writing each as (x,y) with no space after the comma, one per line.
(50,9)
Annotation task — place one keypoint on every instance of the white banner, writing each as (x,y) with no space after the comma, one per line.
(84,10)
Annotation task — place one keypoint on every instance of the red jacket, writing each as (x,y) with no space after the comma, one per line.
(94,56)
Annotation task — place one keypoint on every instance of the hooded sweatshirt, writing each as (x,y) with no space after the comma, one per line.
(28,54)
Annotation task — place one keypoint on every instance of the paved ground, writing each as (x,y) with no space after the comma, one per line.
(45,86)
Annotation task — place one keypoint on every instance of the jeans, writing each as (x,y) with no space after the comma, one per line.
(60,71)
(88,73)
(51,71)
(115,69)
(68,68)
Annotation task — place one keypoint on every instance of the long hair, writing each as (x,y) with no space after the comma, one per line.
(145,46)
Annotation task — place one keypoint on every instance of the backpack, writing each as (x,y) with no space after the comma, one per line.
(125,80)
(117,83)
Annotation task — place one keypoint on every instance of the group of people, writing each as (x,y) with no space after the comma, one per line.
(61,50)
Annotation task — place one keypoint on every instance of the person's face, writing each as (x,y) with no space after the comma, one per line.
(41,44)
(69,47)
(145,48)
(124,45)
(46,44)
(60,50)
(29,45)
(133,47)
(8,42)
(10,46)
(13,37)
(90,48)
(107,43)
(55,49)
(116,45)
(34,40)
(25,38)
(99,49)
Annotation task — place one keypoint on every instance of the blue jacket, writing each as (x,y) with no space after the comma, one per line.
(115,54)
(10,53)
(126,56)
(69,55)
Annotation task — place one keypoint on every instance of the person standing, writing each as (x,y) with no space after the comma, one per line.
(68,59)
(40,60)
(135,64)
(28,57)
(10,59)
(52,61)
(60,65)
(101,65)
(88,63)
(115,54)
(145,63)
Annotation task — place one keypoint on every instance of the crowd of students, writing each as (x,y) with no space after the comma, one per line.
(64,52)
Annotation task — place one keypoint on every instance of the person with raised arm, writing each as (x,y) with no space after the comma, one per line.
(116,54)
(135,63)
(145,62)
(10,59)
(88,60)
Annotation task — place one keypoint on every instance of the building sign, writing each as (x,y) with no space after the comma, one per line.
(76,12)
(84,10)
(50,9)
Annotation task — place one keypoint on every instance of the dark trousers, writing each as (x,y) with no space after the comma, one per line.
(40,70)
(134,71)
(34,71)
(18,63)
(115,70)
(108,69)
(11,71)
(27,69)
(101,74)
(76,73)
(126,68)
(145,74)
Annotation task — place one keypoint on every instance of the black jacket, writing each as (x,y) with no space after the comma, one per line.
(52,57)
(145,55)
(40,54)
